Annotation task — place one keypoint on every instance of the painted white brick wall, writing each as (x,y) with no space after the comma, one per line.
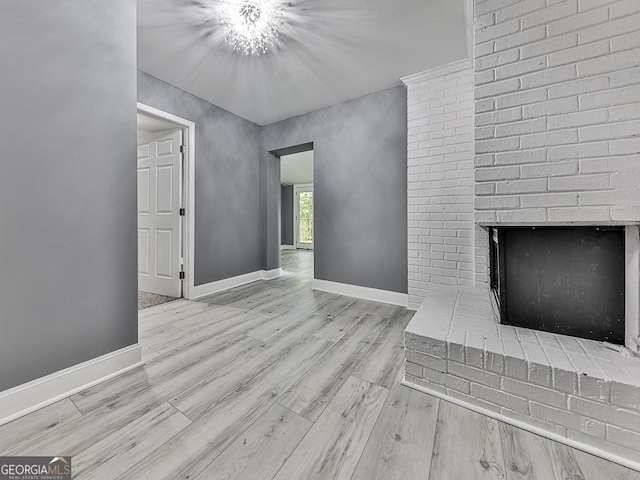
(557,102)
(556,140)
(440,179)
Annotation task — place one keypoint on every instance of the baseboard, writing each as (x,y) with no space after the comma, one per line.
(39,393)
(598,452)
(364,293)
(271,274)
(225,284)
(287,247)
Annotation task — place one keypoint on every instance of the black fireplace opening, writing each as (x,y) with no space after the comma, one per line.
(565,280)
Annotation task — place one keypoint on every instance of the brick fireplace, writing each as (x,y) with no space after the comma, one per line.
(553,100)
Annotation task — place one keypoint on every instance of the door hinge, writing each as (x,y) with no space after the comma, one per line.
(183,148)
(181,276)
(182,212)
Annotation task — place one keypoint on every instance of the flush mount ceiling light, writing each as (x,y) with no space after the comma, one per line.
(252,26)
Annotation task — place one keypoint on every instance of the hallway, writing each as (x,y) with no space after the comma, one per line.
(299,262)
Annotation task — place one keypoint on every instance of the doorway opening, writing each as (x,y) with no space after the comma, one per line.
(164,206)
(303,215)
(297,232)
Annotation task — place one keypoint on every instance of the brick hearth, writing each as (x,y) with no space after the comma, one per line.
(566,386)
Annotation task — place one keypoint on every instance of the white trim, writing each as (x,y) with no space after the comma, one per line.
(225,284)
(39,393)
(528,427)
(468,24)
(271,274)
(440,71)
(287,247)
(632,288)
(365,293)
(189,138)
(232,282)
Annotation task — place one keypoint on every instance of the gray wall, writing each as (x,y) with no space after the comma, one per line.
(286,218)
(67,184)
(228,219)
(360,187)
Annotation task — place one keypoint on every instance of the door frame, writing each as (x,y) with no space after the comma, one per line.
(187,200)
(304,187)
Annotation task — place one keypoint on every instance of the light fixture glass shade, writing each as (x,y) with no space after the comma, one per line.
(251,26)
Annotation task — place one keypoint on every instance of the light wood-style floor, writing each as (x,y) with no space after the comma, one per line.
(275,381)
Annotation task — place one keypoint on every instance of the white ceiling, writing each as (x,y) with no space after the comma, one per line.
(329,51)
(296,168)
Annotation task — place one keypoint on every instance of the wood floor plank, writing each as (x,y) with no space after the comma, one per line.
(294,314)
(164,377)
(230,382)
(343,321)
(389,311)
(310,394)
(194,356)
(386,355)
(116,453)
(283,293)
(79,434)
(200,357)
(595,468)
(206,326)
(243,291)
(148,320)
(148,353)
(334,444)
(132,389)
(334,307)
(251,298)
(401,443)
(216,315)
(160,337)
(202,396)
(467,445)
(302,299)
(529,456)
(297,260)
(328,307)
(187,454)
(169,306)
(46,419)
(206,329)
(260,451)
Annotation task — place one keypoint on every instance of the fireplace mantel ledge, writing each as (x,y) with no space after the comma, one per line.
(569,387)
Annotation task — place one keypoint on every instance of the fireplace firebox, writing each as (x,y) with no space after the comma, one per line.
(564,280)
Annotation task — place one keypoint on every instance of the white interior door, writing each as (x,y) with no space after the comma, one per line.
(159,170)
(303,216)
